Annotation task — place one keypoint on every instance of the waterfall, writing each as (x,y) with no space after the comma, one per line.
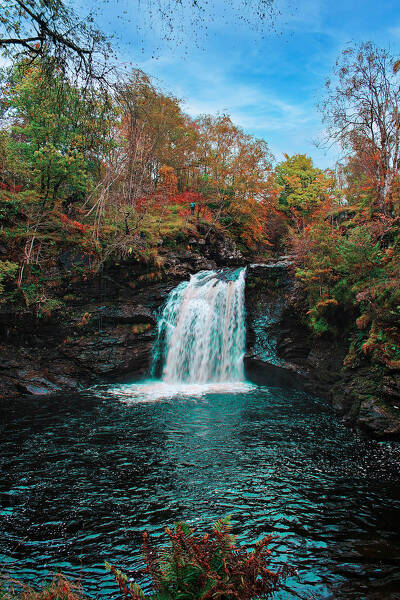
(201,341)
(202,331)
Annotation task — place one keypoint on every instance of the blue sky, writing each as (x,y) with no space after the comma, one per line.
(268,81)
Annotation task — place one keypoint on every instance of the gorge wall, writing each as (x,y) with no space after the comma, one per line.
(108,328)
(282,349)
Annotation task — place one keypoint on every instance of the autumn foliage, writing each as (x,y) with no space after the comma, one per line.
(130,176)
(210,566)
(60,588)
(194,566)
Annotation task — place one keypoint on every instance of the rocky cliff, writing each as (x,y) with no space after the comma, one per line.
(281,348)
(107,329)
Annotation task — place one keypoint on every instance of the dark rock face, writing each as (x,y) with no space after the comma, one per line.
(125,314)
(276,274)
(369,398)
(281,349)
(90,343)
(218,248)
(105,333)
(267,287)
(182,264)
(34,377)
(112,352)
(108,328)
(73,258)
(265,373)
(378,420)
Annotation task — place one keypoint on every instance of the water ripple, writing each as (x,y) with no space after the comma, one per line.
(84,475)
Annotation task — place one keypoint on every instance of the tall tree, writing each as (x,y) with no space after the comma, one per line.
(57,131)
(234,169)
(362,114)
(304,189)
(55,140)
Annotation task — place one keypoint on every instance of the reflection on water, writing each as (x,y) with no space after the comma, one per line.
(84,475)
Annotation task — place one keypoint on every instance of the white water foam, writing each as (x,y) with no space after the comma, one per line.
(200,343)
(151,391)
(202,330)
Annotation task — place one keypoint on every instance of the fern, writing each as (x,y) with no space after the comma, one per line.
(206,567)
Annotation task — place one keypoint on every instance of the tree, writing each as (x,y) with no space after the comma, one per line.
(152,134)
(362,114)
(39,28)
(54,141)
(304,188)
(50,28)
(234,170)
(57,131)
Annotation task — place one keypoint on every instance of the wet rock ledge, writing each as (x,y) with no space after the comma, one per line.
(107,329)
(280,349)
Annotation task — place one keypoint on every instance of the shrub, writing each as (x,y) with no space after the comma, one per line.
(8,270)
(59,588)
(205,567)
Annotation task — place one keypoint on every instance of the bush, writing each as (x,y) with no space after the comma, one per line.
(193,566)
(8,270)
(60,588)
(205,567)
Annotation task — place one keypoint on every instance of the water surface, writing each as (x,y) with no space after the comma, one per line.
(84,475)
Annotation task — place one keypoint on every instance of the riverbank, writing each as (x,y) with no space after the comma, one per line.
(282,349)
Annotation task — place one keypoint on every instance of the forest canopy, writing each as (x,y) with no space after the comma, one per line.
(120,172)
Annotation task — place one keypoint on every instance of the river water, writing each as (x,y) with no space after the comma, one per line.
(84,475)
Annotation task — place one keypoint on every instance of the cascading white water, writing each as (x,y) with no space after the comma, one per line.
(201,341)
(202,331)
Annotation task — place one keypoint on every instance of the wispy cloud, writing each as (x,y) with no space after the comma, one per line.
(394,32)
(268,80)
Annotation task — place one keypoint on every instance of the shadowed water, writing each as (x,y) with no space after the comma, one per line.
(84,475)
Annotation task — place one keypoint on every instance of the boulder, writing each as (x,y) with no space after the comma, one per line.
(112,352)
(70,259)
(42,382)
(216,246)
(264,373)
(379,420)
(278,273)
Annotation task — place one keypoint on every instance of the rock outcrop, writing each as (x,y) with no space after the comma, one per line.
(282,350)
(107,327)
(107,330)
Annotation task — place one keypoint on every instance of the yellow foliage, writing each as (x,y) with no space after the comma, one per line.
(363,321)
(323,305)
(140,328)
(350,357)
(393,364)
(85,319)
(371,343)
